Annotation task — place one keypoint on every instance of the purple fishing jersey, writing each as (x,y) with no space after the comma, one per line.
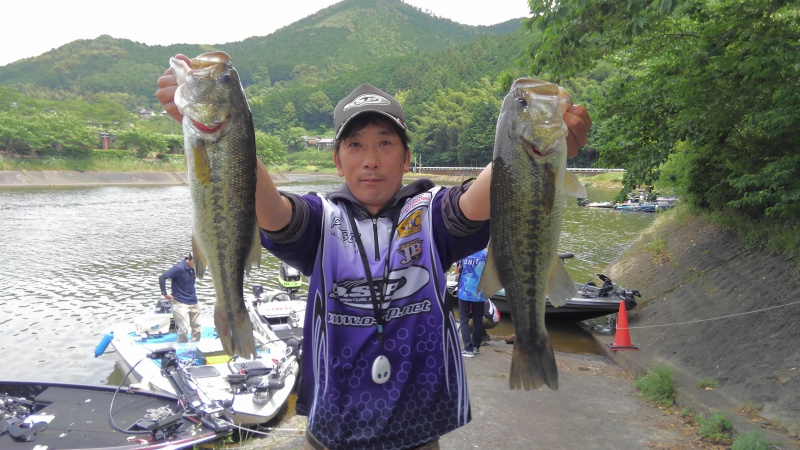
(362,388)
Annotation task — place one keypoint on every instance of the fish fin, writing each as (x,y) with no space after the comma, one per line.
(202,167)
(533,365)
(561,288)
(200,262)
(549,188)
(490,282)
(236,333)
(573,186)
(254,255)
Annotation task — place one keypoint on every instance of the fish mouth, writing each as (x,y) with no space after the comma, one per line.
(536,151)
(209,129)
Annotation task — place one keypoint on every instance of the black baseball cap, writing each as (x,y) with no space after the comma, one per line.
(363,99)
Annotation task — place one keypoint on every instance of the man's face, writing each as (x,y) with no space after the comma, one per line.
(372,161)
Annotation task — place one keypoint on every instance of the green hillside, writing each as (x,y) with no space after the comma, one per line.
(336,40)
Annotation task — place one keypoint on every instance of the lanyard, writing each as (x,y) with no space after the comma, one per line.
(376,305)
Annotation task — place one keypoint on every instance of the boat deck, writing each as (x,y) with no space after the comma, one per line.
(78,418)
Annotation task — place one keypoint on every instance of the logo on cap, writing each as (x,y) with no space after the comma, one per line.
(367,100)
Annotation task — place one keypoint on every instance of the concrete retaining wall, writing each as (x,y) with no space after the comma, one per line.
(72,178)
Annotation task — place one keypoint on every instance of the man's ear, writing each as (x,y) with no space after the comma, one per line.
(337,163)
(407,163)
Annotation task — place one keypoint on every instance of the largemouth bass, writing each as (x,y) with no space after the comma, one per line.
(529,180)
(220,149)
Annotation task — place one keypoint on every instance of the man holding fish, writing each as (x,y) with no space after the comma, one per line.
(382,364)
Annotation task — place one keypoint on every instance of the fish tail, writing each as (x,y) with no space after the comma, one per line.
(236,333)
(533,365)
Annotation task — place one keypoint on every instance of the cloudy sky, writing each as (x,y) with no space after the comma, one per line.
(32,27)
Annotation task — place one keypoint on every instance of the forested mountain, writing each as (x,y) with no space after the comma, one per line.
(336,40)
(446,74)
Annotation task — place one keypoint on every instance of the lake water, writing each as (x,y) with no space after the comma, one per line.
(73,261)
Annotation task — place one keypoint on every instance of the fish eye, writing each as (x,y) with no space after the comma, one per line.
(225,78)
(522,101)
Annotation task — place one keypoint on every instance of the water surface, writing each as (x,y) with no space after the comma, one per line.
(74,261)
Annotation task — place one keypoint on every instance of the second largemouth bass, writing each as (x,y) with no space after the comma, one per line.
(220,149)
(529,181)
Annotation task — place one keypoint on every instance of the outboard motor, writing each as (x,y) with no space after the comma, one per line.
(630,301)
(289,277)
(607,287)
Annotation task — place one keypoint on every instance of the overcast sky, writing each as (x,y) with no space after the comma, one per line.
(32,27)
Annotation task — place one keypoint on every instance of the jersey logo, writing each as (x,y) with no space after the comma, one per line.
(419,201)
(411,251)
(412,224)
(340,232)
(401,284)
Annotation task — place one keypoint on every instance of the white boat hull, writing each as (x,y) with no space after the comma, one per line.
(210,380)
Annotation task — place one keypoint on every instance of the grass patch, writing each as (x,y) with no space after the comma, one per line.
(310,161)
(658,386)
(707,383)
(603,180)
(715,428)
(657,245)
(780,237)
(752,440)
(101,163)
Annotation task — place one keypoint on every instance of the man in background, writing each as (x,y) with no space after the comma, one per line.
(185,308)
(471,302)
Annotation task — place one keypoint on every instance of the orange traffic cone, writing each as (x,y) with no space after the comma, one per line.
(622,339)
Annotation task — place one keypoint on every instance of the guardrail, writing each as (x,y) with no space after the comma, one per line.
(433,169)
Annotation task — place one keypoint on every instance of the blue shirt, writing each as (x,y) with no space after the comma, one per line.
(471,270)
(182,283)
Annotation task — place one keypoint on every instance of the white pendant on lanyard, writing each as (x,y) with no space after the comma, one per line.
(381,370)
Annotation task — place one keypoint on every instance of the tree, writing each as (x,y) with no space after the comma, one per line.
(317,111)
(290,115)
(142,142)
(261,75)
(293,139)
(270,149)
(16,134)
(457,127)
(708,85)
(46,134)
(306,74)
(67,135)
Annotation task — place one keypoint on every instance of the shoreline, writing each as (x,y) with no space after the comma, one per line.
(72,178)
(10,178)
